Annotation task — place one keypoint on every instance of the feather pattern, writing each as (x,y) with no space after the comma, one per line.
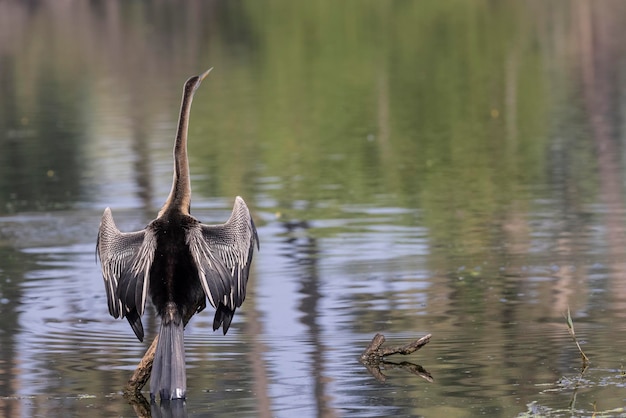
(126,258)
(223,254)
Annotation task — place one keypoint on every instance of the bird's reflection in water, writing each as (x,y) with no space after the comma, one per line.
(176,408)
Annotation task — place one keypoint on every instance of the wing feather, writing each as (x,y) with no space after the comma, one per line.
(125,259)
(223,254)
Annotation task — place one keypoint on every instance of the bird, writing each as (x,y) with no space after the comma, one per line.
(180,263)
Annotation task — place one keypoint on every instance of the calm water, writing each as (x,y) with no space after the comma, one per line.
(453,168)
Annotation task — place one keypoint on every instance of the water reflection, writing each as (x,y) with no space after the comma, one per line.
(10,296)
(377,370)
(304,255)
(42,152)
(176,408)
(404,182)
(169,409)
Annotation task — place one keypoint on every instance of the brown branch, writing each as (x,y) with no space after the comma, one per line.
(372,349)
(373,358)
(140,404)
(374,353)
(141,375)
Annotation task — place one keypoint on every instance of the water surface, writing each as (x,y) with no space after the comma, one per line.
(449,168)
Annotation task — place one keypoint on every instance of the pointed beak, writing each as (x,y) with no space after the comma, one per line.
(204,74)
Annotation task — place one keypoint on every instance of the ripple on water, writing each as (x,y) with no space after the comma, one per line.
(320,292)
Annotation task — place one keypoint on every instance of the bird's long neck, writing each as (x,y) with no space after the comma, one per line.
(180,195)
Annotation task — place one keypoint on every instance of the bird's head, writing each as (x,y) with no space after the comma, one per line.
(194,82)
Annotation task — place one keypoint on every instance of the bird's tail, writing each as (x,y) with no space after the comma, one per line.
(169,378)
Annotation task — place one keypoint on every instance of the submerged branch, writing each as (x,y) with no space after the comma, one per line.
(374,358)
(141,375)
(376,370)
(374,353)
(140,404)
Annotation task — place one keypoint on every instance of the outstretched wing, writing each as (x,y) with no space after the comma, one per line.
(126,259)
(223,254)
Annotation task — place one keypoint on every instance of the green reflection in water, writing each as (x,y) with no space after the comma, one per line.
(40,163)
(450,108)
(440,106)
(412,104)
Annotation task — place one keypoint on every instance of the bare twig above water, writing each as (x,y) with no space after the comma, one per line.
(570,328)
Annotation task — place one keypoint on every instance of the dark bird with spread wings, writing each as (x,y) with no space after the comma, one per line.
(178,262)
